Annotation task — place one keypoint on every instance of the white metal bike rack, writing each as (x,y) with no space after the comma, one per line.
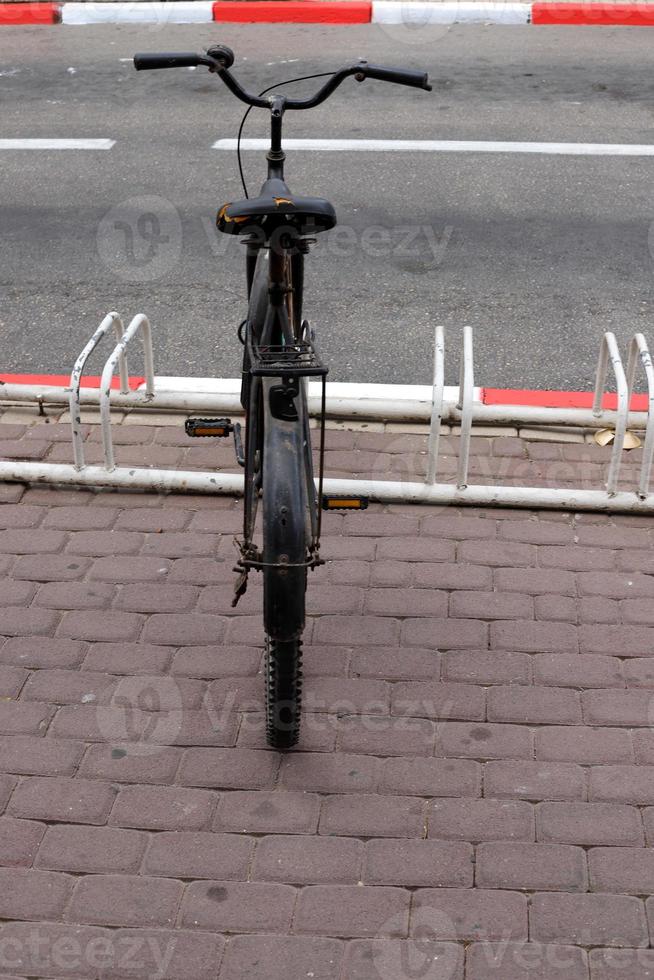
(434,404)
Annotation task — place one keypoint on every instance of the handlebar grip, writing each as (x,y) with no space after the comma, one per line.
(182,59)
(401,76)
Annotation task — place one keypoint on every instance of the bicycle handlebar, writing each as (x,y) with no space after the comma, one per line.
(220,59)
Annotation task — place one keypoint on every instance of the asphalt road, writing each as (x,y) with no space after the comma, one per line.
(539,253)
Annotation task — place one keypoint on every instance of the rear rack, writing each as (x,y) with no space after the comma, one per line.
(286,361)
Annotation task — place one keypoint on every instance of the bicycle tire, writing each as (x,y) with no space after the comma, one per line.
(283,692)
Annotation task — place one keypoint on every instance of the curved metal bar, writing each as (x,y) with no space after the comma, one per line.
(466,393)
(111,320)
(638,350)
(609,353)
(436,405)
(142,324)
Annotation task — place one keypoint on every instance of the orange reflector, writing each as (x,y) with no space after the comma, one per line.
(344,503)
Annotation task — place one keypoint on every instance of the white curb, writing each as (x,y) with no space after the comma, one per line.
(181,12)
(424,14)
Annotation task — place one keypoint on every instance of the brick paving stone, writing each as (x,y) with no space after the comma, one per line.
(50,568)
(628,870)
(583,745)
(525,961)
(616,964)
(85,801)
(431,777)
(623,641)
(16,621)
(229,768)
(125,900)
(330,773)
(491,605)
(262,812)
(184,629)
(238,906)
(393,957)
(308,860)
(101,626)
(445,634)
(536,781)
(69,687)
(535,581)
(80,518)
(560,608)
(97,544)
(16,593)
(19,841)
(352,911)
(439,700)
(578,670)
(469,914)
(533,867)
(405,602)
(157,519)
(622,784)
(484,667)
(24,718)
(75,595)
(217,662)
(536,532)
(128,658)
(130,569)
(481,820)
(31,755)
(419,863)
(33,895)
(483,741)
(416,549)
(588,920)
(42,652)
(274,957)
(182,854)
(7,784)
(189,955)
(390,663)
(449,526)
(163,808)
(174,544)
(12,680)
(575,558)
(373,816)
(101,850)
(131,764)
(49,948)
(23,541)
(589,824)
(639,672)
(534,705)
(445,575)
(497,553)
(386,736)
(597,609)
(533,637)
(157,598)
(631,708)
(357,631)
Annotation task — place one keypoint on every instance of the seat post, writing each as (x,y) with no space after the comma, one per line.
(276,155)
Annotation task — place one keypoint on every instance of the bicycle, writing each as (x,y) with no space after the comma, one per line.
(279,356)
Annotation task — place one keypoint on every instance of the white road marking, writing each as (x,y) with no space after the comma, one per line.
(39,144)
(450,146)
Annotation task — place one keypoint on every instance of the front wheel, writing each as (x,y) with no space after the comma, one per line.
(283,692)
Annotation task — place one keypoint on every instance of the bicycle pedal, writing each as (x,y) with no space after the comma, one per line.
(201,428)
(344,503)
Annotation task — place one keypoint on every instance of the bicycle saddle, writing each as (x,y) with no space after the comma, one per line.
(276,207)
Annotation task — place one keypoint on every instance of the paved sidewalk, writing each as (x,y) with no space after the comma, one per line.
(473,796)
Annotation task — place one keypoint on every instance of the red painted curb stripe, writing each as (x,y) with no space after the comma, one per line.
(594,14)
(29,13)
(294,11)
(555,399)
(62,380)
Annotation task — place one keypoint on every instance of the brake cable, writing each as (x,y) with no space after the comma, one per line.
(289,81)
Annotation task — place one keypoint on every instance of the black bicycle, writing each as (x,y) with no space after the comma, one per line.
(279,356)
